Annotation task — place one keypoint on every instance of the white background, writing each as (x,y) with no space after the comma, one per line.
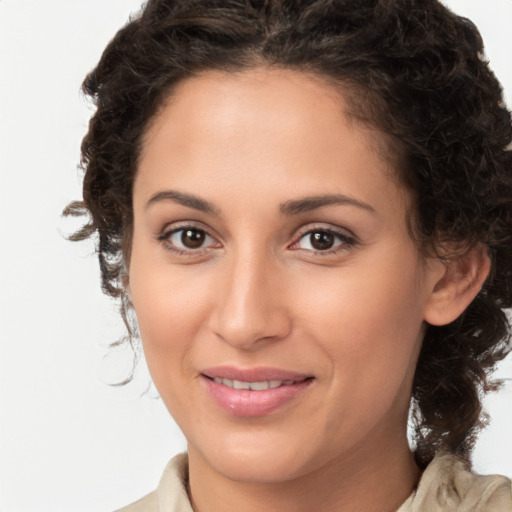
(68,441)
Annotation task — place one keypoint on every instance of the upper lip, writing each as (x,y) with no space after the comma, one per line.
(257,374)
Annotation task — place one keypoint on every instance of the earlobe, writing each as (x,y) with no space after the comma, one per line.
(457,285)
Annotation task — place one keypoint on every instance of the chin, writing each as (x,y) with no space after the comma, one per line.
(268,461)
(258,470)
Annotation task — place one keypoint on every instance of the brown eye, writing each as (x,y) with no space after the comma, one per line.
(322,240)
(192,238)
(188,239)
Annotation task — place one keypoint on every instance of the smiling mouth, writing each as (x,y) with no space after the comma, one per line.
(255,386)
(254,392)
(255,397)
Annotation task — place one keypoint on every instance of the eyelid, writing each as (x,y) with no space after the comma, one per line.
(169,230)
(320,226)
(348,238)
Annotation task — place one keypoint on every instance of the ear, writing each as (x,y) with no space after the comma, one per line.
(456,282)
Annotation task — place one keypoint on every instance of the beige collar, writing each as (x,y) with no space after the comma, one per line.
(448,486)
(445,486)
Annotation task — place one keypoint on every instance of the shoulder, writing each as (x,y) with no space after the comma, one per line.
(171,493)
(448,485)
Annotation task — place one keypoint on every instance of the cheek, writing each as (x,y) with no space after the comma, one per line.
(168,320)
(169,310)
(369,319)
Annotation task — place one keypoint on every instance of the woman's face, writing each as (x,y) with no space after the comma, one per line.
(271,252)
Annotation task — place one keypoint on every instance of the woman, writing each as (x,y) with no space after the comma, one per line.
(307,204)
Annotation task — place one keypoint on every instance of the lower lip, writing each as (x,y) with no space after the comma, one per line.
(247,403)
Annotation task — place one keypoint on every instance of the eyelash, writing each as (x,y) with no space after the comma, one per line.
(165,239)
(346,241)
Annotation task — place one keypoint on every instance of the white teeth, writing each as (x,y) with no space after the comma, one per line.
(259,386)
(254,386)
(238,384)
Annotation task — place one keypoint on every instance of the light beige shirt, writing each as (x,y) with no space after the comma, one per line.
(445,486)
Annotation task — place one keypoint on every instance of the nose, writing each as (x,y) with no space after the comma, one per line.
(250,306)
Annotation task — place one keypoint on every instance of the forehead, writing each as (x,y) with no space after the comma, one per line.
(261,128)
(226,98)
(241,94)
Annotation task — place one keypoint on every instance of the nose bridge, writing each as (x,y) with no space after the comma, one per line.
(251,307)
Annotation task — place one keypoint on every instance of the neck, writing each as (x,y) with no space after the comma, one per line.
(369,479)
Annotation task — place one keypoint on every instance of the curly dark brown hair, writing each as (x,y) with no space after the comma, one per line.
(412,69)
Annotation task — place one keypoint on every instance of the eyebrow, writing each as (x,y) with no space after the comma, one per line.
(289,208)
(188,200)
(307,204)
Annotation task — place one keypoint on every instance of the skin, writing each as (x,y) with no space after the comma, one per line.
(255,293)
